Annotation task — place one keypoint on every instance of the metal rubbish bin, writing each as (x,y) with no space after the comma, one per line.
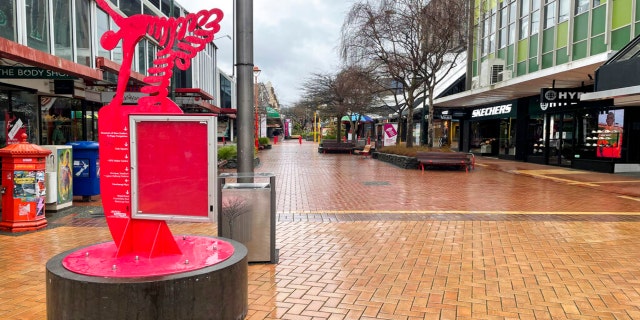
(246,213)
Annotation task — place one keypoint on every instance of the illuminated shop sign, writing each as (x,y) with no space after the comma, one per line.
(551,98)
(498,111)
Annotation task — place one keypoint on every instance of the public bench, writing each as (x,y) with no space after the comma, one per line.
(459,159)
(365,152)
(334,146)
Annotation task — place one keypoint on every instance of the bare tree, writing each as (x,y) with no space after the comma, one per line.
(407,40)
(349,92)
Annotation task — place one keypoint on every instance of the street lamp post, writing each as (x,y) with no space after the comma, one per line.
(256,133)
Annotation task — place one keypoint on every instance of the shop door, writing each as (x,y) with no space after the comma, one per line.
(560,150)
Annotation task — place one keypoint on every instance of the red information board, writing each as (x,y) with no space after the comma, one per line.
(173,167)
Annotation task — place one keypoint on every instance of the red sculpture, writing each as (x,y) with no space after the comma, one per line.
(180,39)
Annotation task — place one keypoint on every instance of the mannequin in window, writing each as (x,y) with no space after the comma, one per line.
(57,137)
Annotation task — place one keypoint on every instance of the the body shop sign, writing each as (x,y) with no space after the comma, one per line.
(503,110)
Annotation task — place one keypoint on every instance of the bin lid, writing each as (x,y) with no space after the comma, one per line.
(24,148)
(83,145)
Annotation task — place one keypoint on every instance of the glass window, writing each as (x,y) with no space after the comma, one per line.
(38,25)
(8,19)
(176,11)
(103,26)
(582,6)
(535,5)
(512,12)
(61,120)
(564,10)
(142,56)
(151,54)
(155,3)
(598,2)
(62,29)
(524,7)
(503,38)
(166,7)
(116,53)
(504,17)
(83,34)
(524,27)
(131,7)
(550,15)
(535,22)
(512,33)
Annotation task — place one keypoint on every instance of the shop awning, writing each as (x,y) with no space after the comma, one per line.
(272,113)
(29,56)
(194,92)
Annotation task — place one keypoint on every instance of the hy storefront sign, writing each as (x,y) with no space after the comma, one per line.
(19,72)
(553,98)
(503,110)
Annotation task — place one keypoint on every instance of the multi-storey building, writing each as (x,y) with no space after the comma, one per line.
(532,60)
(55,75)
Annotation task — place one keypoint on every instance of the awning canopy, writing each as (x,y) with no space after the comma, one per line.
(272,113)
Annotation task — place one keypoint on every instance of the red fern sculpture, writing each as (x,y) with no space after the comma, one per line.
(180,39)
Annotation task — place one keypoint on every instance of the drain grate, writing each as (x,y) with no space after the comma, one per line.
(376,183)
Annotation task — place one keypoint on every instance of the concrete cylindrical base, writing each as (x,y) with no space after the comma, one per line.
(215,292)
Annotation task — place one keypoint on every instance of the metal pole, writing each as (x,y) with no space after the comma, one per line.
(244,36)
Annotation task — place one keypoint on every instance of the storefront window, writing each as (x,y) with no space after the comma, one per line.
(18,116)
(38,25)
(61,120)
(484,137)
(535,135)
(507,137)
(8,19)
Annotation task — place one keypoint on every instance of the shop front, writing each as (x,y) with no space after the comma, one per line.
(492,130)
(564,131)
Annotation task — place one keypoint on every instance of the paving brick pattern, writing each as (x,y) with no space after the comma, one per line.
(361,239)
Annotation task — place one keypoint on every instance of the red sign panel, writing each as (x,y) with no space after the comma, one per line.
(172,167)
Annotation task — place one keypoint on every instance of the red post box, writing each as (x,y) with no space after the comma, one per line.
(23,191)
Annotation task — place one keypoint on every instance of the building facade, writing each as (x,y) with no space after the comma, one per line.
(532,62)
(55,75)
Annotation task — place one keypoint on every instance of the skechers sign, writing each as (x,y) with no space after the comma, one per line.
(550,98)
(498,111)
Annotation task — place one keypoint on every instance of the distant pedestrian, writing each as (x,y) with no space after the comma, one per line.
(300,139)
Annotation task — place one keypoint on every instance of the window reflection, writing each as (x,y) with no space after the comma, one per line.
(38,25)
(8,19)
(83,35)
(62,29)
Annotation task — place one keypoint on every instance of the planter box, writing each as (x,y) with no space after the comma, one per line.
(397,160)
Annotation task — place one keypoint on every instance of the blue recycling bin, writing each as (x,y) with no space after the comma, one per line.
(86,168)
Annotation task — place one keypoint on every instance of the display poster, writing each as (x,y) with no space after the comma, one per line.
(610,129)
(28,186)
(65,178)
(15,128)
(390,133)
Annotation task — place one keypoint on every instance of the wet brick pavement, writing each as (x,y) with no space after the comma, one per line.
(362,239)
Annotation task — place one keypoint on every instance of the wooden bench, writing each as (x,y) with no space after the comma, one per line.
(333,146)
(461,159)
(365,152)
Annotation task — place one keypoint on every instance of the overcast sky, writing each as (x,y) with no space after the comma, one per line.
(292,39)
